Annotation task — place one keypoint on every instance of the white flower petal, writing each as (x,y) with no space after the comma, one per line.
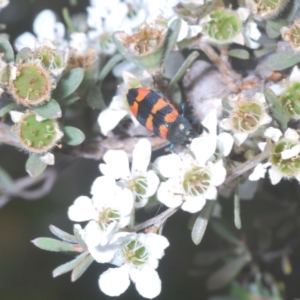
(123,201)
(211,193)
(258,172)
(193,204)
(26,39)
(295,75)
(148,283)
(273,133)
(291,134)
(152,182)
(48,158)
(225,124)
(82,210)
(114,281)
(218,172)
(43,25)
(262,146)
(243,13)
(239,39)
(168,194)
(286,154)
(141,157)
(156,244)
(275,176)
(210,122)
(225,142)
(108,119)
(169,165)
(16,116)
(117,164)
(103,187)
(203,148)
(266,119)
(240,138)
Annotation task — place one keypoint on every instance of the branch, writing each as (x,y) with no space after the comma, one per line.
(156,221)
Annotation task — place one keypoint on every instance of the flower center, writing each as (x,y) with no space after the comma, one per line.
(290,100)
(106,216)
(134,252)
(290,166)
(139,185)
(247,116)
(196,181)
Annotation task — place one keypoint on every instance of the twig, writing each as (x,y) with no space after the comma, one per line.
(156,221)
(245,167)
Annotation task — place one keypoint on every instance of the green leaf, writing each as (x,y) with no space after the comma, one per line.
(81,267)
(237,211)
(68,83)
(171,37)
(221,229)
(274,26)
(282,61)
(62,234)
(69,266)
(71,99)
(7,107)
(7,50)
(267,49)
(34,166)
(109,65)
(201,222)
(225,297)
(186,64)
(50,110)
(276,108)
(227,273)
(50,244)
(77,234)
(73,136)
(94,98)
(206,258)
(239,53)
(6,181)
(22,55)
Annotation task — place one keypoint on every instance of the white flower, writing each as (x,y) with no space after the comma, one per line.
(192,180)
(3,3)
(284,161)
(137,256)
(141,182)
(108,211)
(45,27)
(186,31)
(119,108)
(246,116)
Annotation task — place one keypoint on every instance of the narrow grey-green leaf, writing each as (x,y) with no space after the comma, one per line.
(282,61)
(81,267)
(68,83)
(69,266)
(7,108)
(201,222)
(237,211)
(187,63)
(274,26)
(276,108)
(34,166)
(226,105)
(109,65)
(206,258)
(50,244)
(76,230)
(239,53)
(6,181)
(49,110)
(7,50)
(73,136)
(23,54)
(69,100)
(225,297)
(227,273)
(62,234)
(221,228)
(95,99)
(171,37)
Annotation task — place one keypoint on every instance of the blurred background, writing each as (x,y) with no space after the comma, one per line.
(270,225)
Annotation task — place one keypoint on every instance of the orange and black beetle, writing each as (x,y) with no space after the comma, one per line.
(158,115)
